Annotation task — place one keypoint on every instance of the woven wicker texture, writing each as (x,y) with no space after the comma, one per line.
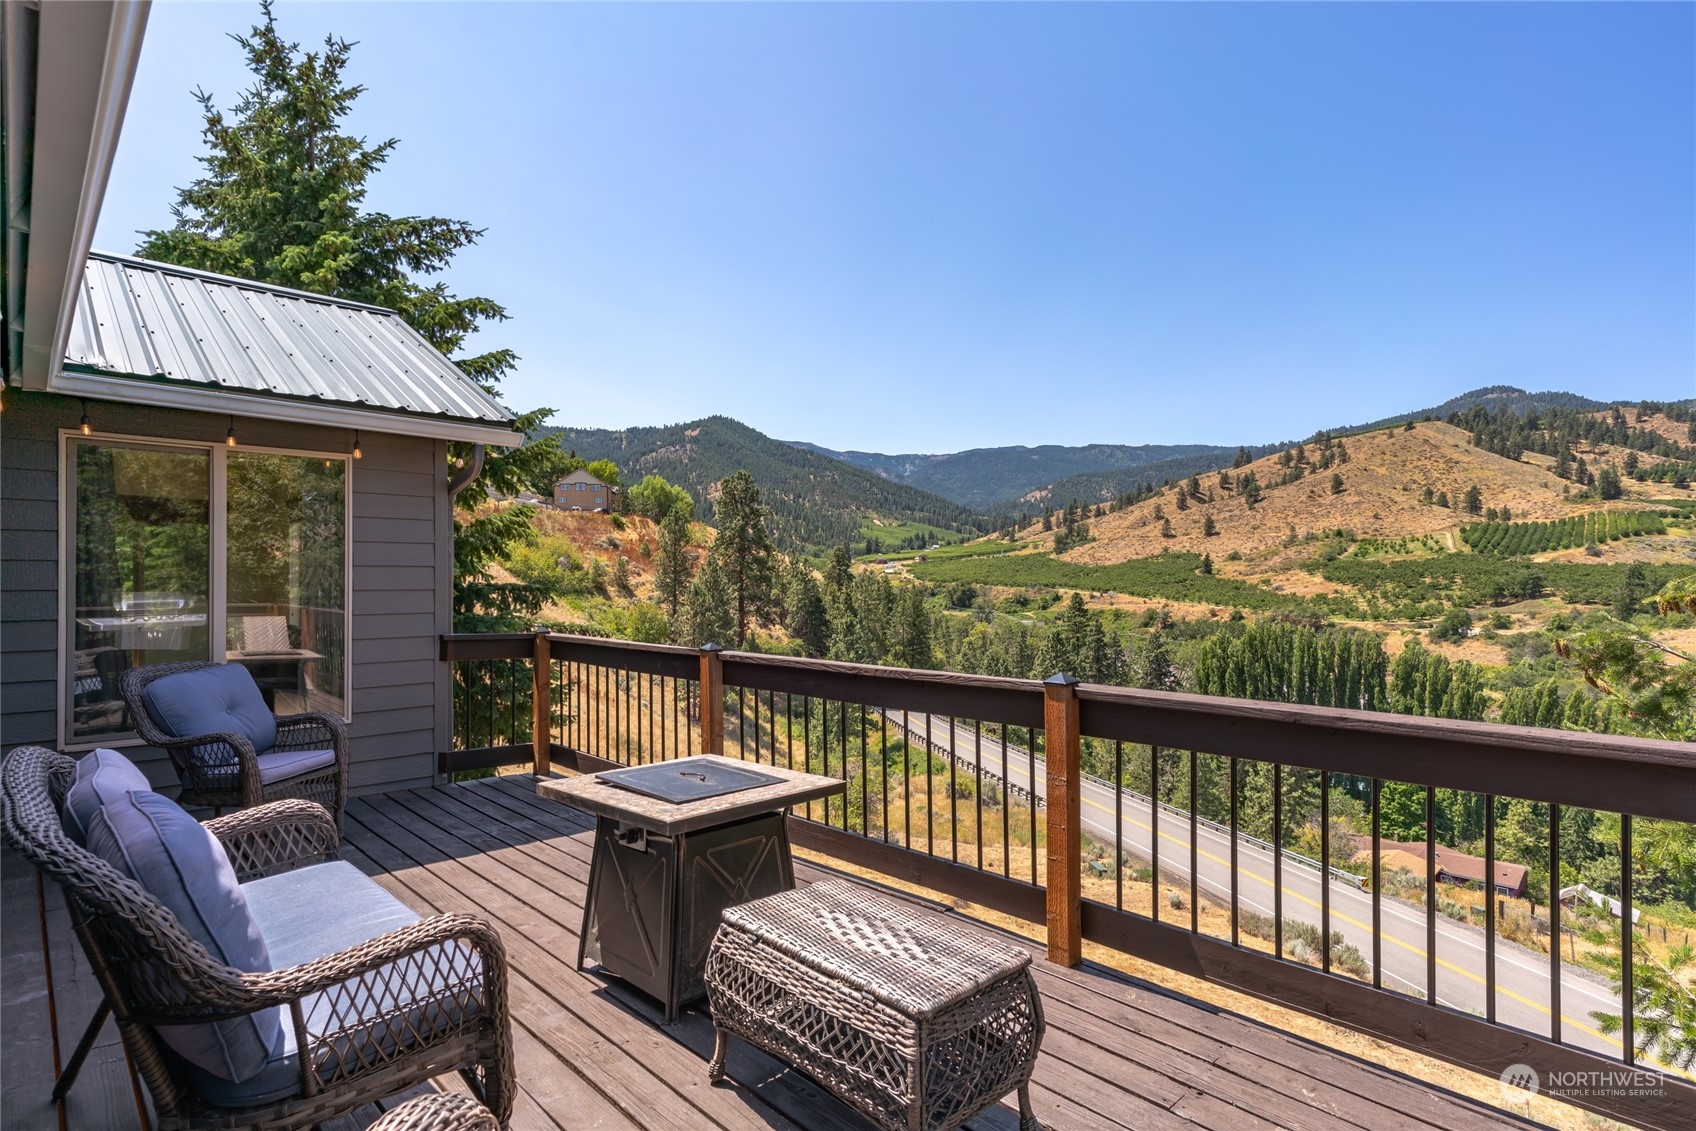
(385,1015)
(438,1112)
(905,1017)
(222,770)
(917,966)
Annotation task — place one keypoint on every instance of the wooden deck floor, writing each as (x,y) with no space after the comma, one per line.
(1119,1053)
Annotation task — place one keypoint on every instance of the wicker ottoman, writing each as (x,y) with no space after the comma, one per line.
(912,1021)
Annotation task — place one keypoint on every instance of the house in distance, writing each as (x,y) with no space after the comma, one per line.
(581,491)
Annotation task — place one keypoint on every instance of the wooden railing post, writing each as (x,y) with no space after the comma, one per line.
(542,702)
(712,699)
(1065,887)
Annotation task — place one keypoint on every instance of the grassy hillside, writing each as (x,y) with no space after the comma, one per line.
(1382,496)
(816,501)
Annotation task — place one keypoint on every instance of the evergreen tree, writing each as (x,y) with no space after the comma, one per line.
(1473,502)
(672,571)
(1336,483)
(1242,459)
(1183,500)
(913,645)
(711,605)
(743,552)
(1208,527)
(282,201)
(804,615)
(1166,528)
(1207,564)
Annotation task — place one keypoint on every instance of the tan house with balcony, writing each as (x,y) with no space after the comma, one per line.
(581,491)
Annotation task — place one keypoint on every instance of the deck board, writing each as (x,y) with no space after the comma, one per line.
(1120,1053)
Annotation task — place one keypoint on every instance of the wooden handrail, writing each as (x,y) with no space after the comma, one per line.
(1633,776)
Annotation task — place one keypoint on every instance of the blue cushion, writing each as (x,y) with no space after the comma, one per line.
(282,764)
(324,909)
(182,865)
(102,776)
(222,699)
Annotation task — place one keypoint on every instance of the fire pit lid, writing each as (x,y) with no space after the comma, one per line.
(687,779)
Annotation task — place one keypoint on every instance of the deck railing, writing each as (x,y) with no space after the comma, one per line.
(1165,826)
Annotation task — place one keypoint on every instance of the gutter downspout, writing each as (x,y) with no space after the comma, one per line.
(471,469)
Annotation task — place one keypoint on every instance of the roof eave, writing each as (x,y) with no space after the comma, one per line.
(75,131)
(133,390)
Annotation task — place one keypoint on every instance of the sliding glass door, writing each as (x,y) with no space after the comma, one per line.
(202,553)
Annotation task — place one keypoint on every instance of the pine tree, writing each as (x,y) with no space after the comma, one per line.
(913,648)
(672,572)
(743,552)
(282,201)
(1336,483)
(1208,527)
(1166,528)
(1207,564)
(1473,501)
(1242,459)
(804,615)
(1183,501)
(711,605)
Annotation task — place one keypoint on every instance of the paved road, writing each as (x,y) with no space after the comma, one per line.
(1522,975)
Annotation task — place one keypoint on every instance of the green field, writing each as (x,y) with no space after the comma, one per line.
(1171,577)
(1510,539)
(894,535)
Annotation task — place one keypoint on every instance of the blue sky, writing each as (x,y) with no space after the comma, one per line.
(933,227)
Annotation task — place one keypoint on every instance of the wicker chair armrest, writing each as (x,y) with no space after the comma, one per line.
(277,837)
(299,732)
(282,987)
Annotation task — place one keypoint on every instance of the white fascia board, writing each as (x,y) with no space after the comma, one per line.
(79,112)
(223,402)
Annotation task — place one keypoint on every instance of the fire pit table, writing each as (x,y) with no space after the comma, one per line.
(675,844)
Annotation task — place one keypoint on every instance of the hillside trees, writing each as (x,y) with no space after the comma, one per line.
(655,498)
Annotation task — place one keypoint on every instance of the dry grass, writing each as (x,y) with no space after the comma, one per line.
(1383,481)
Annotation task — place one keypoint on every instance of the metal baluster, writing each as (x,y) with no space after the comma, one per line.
(1118,824)
(1235,902)
(930,794)
(1030,752)
(1554,923)
(1377,887)
(843,725)
(1431,895)
(906,779)
(977,756)
(1006,806)
(1627,975)
(1490,908)
(1325,870)
(742,723)
(1278,859)
(1154,832)
(953,793)
(883,760)
(1195,852)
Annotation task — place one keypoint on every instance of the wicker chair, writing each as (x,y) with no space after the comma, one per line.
(437,1112)
(153,973)
(221,771)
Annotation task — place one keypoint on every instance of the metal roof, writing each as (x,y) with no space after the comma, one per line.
(167,324)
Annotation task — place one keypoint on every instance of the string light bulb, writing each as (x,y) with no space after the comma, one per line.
(230,436)
(87,428)
(357,454)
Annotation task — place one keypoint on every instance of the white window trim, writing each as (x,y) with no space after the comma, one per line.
(217,627)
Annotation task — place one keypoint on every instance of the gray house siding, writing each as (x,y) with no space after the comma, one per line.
(401,597)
